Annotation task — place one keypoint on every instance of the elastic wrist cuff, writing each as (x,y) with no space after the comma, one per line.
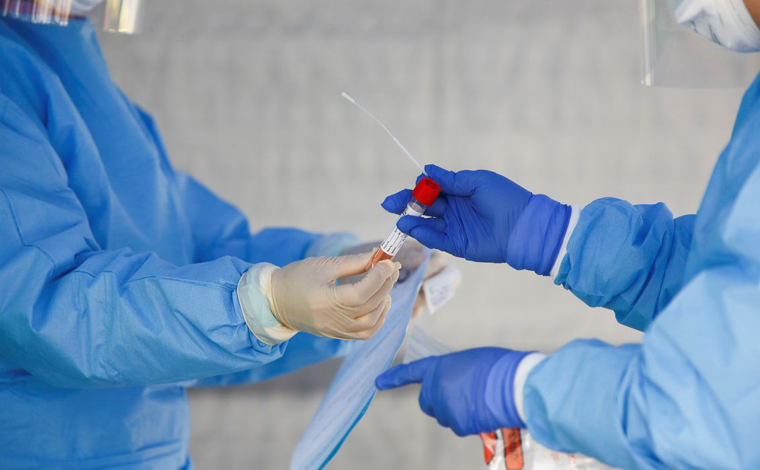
(499,393)
(575,214)
(537,236)
(521,375)
(253,290)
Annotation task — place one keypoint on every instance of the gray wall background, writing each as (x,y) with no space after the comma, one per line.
(246,93)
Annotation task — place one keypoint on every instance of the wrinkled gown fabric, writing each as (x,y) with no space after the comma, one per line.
(118,274)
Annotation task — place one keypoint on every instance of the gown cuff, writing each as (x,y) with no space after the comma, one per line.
(575,401)
(575,214)
(257,311)
(521,375)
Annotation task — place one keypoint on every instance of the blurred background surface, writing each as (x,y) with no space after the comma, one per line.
(246,93)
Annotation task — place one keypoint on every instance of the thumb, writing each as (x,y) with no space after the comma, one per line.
(396,203)
(359,293)
(455,183)
(406,374)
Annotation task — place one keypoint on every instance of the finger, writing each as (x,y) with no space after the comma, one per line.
(349,265)
(456,183)
(443,420)
(381,296)
(368,320)
(356,295)
(407,223)
(405,374)
(396,203)
(438,208)
(429,232)
(411,255)
(439,205)
(459,431)
(368,333)
(425,405)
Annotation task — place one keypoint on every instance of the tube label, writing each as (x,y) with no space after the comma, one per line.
(441,288)
(393,242)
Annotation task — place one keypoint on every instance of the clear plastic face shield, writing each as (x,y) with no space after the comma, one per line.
(119,16)
(697,44)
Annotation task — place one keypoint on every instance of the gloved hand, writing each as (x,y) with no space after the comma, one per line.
(482,216)
(468,391)
(303,296)
(410,256)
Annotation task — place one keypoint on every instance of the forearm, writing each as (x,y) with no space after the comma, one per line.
(142,320)
(221,229)
(685,398)
(303,350)
(627,258)
(284,245)
(281,245)
(571,401)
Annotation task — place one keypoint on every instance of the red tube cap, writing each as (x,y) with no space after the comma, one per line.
(426,191)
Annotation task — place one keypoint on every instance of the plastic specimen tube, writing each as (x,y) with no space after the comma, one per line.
(423,196)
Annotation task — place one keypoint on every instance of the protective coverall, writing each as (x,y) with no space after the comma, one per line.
(118,274)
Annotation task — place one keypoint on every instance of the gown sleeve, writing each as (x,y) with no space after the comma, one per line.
(688,397)
(76,315)
(220,229)
(627,258)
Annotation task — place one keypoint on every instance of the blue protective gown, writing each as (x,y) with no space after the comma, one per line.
(118,274)
(689,395)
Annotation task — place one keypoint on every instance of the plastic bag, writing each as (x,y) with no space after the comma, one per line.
(504,449)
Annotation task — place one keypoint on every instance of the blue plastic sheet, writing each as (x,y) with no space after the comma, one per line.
(353,387)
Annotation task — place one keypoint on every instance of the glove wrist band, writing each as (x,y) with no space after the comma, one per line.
(572,222)
(258,311)
(537,238)
(500,391)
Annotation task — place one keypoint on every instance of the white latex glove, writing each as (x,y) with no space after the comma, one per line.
(303,296)
(410,256)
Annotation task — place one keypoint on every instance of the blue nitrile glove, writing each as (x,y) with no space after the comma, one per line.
(468,391)
(483,216)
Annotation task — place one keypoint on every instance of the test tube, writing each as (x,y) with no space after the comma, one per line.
(423,196)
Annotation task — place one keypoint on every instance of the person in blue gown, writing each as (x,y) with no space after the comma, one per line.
(688,396)
(123,281)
